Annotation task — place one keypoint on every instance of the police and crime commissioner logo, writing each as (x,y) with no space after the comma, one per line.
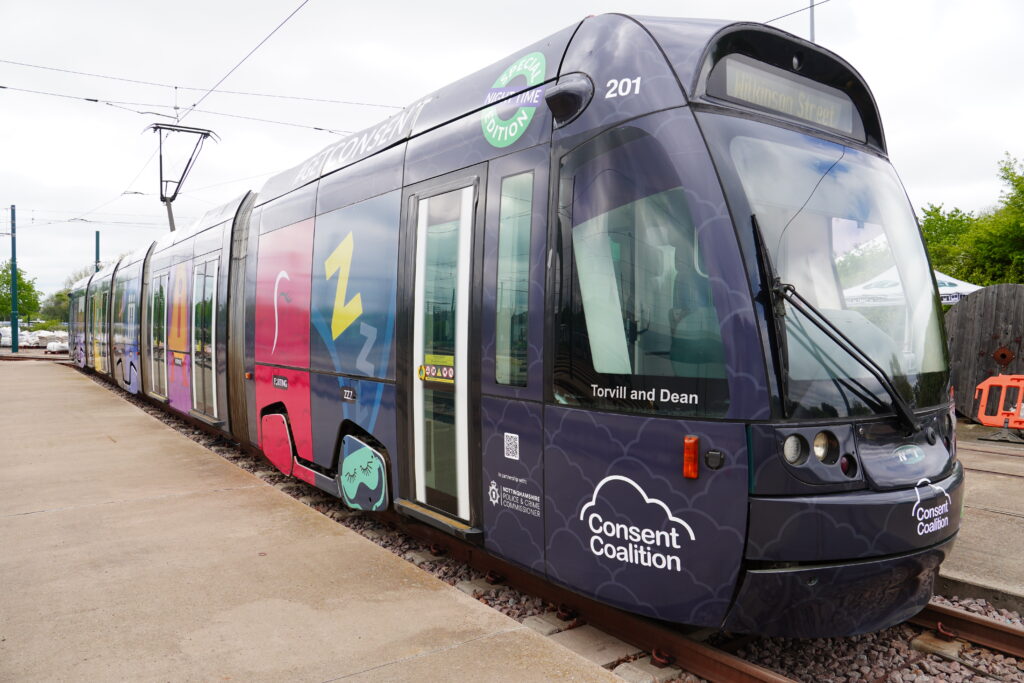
(501,132)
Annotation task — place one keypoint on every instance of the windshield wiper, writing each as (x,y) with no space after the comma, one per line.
(779,292)
(776,311)
(903,411)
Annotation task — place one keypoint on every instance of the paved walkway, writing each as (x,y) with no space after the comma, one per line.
(128,552)
(989,551)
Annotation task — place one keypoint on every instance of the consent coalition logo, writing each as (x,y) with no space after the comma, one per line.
(503,131)
(935,515)
(652,537)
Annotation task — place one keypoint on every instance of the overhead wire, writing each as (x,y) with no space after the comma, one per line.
(798,11)
(299,98)
(242,61)
(282,123)
(120,104)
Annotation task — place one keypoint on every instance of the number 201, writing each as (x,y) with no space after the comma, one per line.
(622,87)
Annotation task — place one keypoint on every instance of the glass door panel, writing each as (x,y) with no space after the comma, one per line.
(159,339)
(203,322)
(440,347)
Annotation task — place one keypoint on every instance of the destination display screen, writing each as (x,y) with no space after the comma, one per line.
(748,81)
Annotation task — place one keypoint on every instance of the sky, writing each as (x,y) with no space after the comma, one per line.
(945,75)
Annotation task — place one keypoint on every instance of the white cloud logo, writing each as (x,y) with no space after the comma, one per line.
(933,518)
(647,546)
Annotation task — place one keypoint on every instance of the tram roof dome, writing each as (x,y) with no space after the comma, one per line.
(687,43)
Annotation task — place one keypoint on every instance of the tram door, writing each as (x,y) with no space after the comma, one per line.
(441,352)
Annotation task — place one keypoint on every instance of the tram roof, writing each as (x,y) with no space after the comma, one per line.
(687,44)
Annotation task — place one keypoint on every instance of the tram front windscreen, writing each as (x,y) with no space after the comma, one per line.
(838,227)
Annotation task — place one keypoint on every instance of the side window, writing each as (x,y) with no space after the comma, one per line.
(513,280)
(158,306)
(638,330)
(203,362)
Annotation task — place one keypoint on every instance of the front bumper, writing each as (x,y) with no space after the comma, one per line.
(855,525)
(836,599)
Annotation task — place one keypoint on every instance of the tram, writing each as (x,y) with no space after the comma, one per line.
(586,309)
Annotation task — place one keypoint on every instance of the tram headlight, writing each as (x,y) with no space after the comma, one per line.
(794,449)
(826,447)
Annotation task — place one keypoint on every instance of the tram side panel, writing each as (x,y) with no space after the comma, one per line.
(282,339)
(77,322)
(512,359)
(125,323)
(98,326)
(352,331)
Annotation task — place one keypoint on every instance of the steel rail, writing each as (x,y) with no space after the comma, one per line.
(991,449)
(978,629)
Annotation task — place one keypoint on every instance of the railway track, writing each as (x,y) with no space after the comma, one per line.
(990,449)
(974,628)
(56,357)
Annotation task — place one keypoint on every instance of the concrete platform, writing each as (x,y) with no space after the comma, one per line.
(988,558)
(31,353)
(128,552)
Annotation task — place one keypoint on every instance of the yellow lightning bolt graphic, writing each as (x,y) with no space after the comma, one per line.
(340,262)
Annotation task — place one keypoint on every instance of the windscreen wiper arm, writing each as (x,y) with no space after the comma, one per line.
(818,319)
(776,311)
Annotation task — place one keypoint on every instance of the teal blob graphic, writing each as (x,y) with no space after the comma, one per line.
(363,480)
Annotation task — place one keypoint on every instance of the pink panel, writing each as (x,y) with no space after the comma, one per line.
(305,474)
(282,295)
(291,388)
(277,445)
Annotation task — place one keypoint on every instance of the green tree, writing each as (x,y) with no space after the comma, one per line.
(55,306)
(996,243)
(944,233)
(28,296)
(986,249)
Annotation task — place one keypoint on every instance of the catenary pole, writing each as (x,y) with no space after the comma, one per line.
(812,21)
(14,283)
(97,251)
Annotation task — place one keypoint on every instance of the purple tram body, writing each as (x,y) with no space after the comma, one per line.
(597,308)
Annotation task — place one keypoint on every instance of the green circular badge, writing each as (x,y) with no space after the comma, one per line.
(503,132)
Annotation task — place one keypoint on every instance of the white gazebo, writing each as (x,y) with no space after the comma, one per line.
(885,290)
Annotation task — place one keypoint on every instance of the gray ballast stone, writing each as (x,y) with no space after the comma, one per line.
(595,645)
(642,671)
(476,587)
(421,557)
(546,624)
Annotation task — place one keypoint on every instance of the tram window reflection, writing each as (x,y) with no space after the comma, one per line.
(513,279)
(641,278)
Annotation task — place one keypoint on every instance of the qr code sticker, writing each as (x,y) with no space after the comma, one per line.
(511,446)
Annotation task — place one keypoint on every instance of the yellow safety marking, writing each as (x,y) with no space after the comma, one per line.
(345,312)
